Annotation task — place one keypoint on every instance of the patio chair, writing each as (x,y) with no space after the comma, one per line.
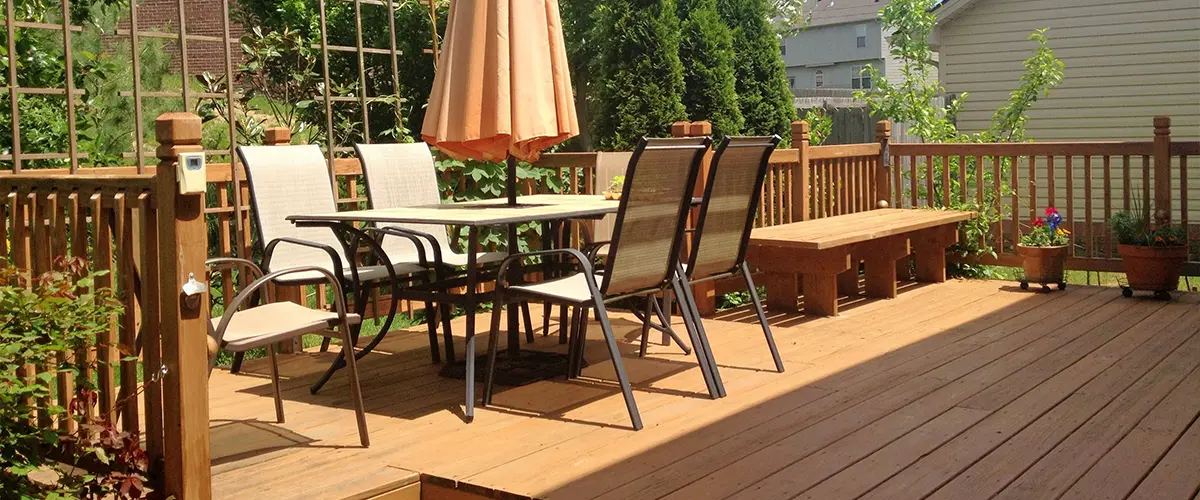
(722,234)
(403,175)
(244,326)
(641,260)
(290,180)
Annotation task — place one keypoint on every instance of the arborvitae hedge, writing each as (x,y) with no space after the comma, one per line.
(706,51)
(763,94)
(636,79)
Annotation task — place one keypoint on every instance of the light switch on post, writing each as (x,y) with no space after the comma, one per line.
(193,174)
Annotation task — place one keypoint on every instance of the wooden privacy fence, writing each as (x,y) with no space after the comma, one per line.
(149,239)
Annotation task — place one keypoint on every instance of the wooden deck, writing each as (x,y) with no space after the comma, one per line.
(966,389)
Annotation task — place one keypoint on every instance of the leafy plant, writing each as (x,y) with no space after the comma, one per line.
(44,321)
(820,125)
(1134,227)
(1047,231)
(617,185)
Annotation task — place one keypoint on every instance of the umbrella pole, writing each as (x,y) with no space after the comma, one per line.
(514,334)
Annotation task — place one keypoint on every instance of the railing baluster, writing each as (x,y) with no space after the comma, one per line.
(1070,218)
(1090,243)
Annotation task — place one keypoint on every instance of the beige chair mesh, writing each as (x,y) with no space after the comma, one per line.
(291,180)
(641,255)
(608,165)
(729,205)
(403,175)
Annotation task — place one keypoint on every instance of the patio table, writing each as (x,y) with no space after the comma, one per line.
(543,208)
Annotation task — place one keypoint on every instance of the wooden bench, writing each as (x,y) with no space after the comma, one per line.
(826,253)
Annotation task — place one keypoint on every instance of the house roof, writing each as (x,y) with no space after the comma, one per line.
(949,9)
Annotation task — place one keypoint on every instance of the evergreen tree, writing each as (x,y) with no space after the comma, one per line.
(706,52)
(763,94)
(636,78)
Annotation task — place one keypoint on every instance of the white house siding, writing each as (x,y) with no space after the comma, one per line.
(1126,62)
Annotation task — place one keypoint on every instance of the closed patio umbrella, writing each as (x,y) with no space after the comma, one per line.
(502,89)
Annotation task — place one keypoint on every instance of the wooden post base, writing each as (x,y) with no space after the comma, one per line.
(881,266)
(930,248)
(782,289)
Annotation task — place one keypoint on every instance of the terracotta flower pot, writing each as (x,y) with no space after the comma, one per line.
(612,195)
(1043,264)
(1153,269)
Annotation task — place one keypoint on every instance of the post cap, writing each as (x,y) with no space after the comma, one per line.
(700,129)
(178,128)
(277,135)
(800,130)
(679,129)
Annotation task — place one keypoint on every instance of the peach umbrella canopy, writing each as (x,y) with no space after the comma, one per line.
(502,86)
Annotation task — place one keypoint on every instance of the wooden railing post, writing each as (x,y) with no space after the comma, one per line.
(1162,170)
(883,171)
(282,136)
(182,249)
(801,183)
(705,292)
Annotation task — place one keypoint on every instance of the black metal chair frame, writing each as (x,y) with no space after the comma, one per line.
(598,295)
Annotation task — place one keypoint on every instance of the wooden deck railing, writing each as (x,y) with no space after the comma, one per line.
(148,238)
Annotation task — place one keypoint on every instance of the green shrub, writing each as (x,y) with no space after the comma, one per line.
(637,78)
(762,88)
(706,52)
(1134,227)
(44,320)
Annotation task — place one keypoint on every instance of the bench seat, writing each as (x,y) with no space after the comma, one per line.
(821,256)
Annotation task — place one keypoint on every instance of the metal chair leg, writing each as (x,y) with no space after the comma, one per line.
(688,307)
(431,324)
(666,321)
(762,318)
(563,324)
(238,357)
(528,322)
(646,326)
(580,333)
(446,311)
(546,310)
(355,390)
(693,334)
(615,352)
(324,345)
(493,345)
(275,383)
(572,339)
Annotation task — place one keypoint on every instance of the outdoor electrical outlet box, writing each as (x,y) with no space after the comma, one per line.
(193,176)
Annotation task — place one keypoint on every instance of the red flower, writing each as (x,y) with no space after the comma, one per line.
(1038,222)
(1051,211)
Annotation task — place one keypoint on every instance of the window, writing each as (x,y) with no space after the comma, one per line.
(859,79)
(791,82)
(818,79)
(860,36)
(782,49)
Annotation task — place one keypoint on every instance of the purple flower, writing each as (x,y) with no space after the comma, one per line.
(1053,218)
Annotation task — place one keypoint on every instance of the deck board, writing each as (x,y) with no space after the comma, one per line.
(966,386)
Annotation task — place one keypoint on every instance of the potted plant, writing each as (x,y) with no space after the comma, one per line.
(615,187)
(1044,251)
(1152,255)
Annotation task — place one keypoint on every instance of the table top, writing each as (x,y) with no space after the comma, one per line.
(830,232)
(493,212)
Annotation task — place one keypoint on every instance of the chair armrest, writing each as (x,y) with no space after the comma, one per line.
(244,295)
(384,232)
(224,263)
(579,257)
(269,251)
(593,249)
(412,234)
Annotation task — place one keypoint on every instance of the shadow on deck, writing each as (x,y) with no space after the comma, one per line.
(964,389)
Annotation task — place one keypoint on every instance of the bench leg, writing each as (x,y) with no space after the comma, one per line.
(782,290)
(881,266)
(821,294)
(930,248)
(847,282)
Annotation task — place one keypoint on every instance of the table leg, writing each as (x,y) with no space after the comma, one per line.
(930,248)
(782,289)
(820,294)
(469,306)
(514,309)
(548,228)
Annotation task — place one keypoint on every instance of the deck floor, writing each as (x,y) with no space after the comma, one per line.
(968,389)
